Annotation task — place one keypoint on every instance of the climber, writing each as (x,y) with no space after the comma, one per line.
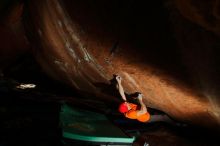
(130,110)
(140,112)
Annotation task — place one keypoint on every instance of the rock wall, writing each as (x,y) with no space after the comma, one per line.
(156,50)
(196,28)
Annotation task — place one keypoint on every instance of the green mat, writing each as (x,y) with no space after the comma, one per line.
(79,124)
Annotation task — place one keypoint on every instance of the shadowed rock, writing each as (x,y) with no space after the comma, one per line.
(84,43)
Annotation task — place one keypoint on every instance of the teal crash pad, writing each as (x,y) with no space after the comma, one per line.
(84,125)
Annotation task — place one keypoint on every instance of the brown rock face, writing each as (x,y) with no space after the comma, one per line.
(204,13)
(84,43)
(196,26)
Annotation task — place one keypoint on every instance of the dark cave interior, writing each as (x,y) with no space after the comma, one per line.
(157,36)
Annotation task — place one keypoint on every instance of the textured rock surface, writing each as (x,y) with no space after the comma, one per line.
(204,13)
(84,43)
(196,27)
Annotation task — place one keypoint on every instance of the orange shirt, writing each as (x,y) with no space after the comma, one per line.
(133,114)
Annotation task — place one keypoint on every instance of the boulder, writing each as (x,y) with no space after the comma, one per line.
(84,43)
